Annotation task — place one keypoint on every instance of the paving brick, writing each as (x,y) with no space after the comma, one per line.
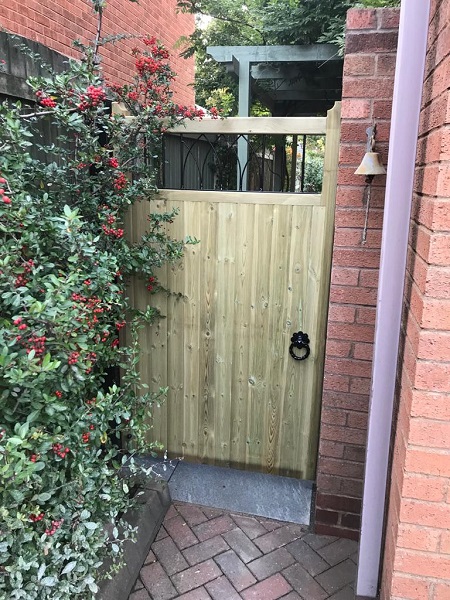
(192,514)
(318,541)
(242,545)
(338,551)
(180,532)
(141,594)
(150,558)
(279,537)
(270,589)
(307,557)
(196,576)
(169,556)
(250,526)
(207,549)
(292,596)
(211,513)
(233,567)
(304,584)
(198,594)
(221,589)
(338,576)
(162,533)
(156,580)
(138,585)
(171,513)
(345,594)
(270,524)
(271,563)
(214,527)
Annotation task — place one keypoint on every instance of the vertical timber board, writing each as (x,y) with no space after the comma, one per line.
(206,357)
(278,340)
(308,380)
(192,341)
(152,338)
(245,250)
(257,349)
(176,300)
(157,332)
(297,375)
(224,308)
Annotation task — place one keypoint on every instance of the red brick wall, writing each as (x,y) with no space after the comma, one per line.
(369,66)
(417,555)
(56,23)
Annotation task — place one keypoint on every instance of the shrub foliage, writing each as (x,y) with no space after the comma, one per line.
(64,267)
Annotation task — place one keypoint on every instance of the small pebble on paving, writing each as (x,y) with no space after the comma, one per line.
(202,553)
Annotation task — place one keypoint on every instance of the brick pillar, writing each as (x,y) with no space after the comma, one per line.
(417,554)
(369,65)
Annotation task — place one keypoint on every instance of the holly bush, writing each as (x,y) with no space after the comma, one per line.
(64,267)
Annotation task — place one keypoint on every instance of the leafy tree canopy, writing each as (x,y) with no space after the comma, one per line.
(259,22)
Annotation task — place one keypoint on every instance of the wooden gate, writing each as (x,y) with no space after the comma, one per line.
(260,273)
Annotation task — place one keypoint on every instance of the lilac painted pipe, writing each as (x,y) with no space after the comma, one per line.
(414,19)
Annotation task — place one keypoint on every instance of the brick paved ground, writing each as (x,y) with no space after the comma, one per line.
(203,553)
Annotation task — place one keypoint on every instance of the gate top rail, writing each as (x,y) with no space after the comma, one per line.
(261,125)
(240,125)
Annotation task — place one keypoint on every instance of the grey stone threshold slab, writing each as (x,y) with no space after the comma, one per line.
(270,496)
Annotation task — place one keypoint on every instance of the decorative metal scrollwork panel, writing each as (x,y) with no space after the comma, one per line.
(263,163)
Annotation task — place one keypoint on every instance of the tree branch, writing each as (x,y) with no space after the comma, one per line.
(42,113)
(99,32)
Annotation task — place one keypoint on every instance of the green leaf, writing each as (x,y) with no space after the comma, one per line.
(23,430)
(14,441)
(33,415)
(46,360)
(43,497)
(41,571)
(17,495)
(90,525)
(69,567)
(49,581)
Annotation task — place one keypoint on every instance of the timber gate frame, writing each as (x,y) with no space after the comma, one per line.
(260,273)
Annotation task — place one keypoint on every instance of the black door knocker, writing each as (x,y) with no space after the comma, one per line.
(300,341)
